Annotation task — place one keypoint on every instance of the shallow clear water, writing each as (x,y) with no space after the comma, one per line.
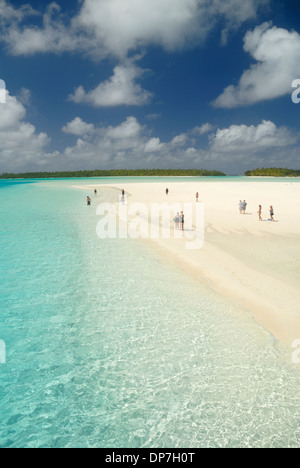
(108,347)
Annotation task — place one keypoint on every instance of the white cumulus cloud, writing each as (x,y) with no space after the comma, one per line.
(129,129)
(277,53)
(153,145)
(115,27)
(251,138)
(9,14)
(78,127)
(120,89)
(128,144)
(21,147)
(205,128)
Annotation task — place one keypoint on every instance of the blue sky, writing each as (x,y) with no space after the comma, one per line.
(102,84)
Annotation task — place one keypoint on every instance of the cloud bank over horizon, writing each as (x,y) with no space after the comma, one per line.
(130,143)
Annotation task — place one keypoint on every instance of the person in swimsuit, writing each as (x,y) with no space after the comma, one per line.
(271,213)
(197,197)
(241,206)
(123,197)
(259,212)
(181,220)
(88,201)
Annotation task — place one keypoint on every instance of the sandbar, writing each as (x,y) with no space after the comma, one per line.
(255,264)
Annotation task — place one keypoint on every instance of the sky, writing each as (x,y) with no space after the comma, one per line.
(128,84)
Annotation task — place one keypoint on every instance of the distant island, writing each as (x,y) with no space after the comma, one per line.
(115,173)
(273,172)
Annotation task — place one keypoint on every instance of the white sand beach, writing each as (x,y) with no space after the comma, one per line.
(255,264)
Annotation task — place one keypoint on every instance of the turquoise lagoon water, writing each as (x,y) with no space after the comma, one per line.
(108,347)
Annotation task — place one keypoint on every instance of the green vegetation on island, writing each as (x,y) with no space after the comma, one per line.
(115,173)
(273,172)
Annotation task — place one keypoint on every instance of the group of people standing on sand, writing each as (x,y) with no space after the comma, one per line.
(179,218)
(271,211)
(243,207)
(179,221)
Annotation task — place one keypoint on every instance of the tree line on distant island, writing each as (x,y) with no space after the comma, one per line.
(273,172)
(264,172)
(115,173)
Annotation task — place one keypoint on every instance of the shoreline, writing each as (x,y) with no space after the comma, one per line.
(216,274)
(252,264)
